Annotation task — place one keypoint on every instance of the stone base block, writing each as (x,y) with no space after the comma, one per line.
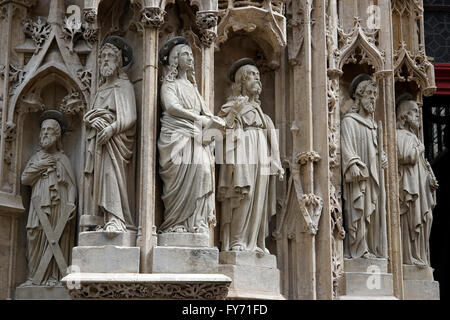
(366,284)
(185,260)
(42,293)
(147,286)
(172,239)
(252,282)
(242,258)
(421,290)
(102,238)
(365,265)
(366,298)
(109,259)
(417,273)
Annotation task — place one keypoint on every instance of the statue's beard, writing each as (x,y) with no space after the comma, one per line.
(47,141)
(370,107)
(107,70)
(414,125)
(255,88)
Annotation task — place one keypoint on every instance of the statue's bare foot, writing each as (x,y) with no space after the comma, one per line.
(237,247)
(27,283)
(369,255)
(51,283)
(179,229)
(419,264)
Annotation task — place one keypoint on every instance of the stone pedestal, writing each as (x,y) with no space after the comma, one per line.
(419,284)
(366,279)
(106,252)
(101,238)
(184,253)
(42,293)
(255,276)
(109,259)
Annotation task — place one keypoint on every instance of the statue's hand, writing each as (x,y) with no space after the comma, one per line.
(204,120)
(354,172)
(47,162)
(281,175)
(97,125)
(105,135)
(241,101)
(421,148)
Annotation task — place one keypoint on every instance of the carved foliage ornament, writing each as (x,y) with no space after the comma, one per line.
(311,209)
(308,156)
(38,30)
(3,12)
(16,76)
(205,22)
(203,291)
(152,17)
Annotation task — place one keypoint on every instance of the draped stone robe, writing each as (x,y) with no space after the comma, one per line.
(417,199)
(113,105)
(365,216)
(247,179)
(186,166)
(56,187)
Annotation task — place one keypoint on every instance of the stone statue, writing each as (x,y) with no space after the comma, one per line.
(417,185)
(247,179)
(186,164)
(111,129)
(363,173)
(50,226)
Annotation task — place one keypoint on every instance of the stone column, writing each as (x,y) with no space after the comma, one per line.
(11,207)
(6,17)
(207,23)
(152,18)
(391,144)
(305,157)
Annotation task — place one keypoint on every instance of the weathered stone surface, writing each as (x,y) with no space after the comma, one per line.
(244,258)
(365,265)
(421,290)
(42,293)
(109,259)
(102,238)
(252,282)
(175,239)
(366,284)
(184,260)
(417,273)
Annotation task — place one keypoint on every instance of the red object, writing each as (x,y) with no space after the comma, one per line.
(442,75)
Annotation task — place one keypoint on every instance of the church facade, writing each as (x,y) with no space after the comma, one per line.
(215,149)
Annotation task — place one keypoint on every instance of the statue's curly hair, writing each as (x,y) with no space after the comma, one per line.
(403,109)
(171,70)
(118,55)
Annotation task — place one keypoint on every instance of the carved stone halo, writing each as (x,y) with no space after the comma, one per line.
(356,81)
(168,46)
(122,45)
(403,97)
(236,65)
(55,115)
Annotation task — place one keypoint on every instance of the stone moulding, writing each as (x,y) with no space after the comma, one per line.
(365,41)
(267,25)
(147,286)
(419,70)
